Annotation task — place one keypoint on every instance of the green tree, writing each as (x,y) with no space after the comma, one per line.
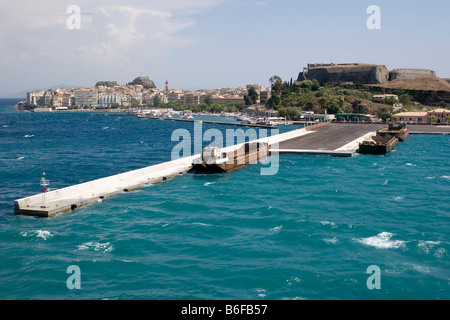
(405,99)
(384,113)
(253,94)
(157,102)
(134,103)
(277,84)
(208,100)
(248,100)
(432,118)
(274,101)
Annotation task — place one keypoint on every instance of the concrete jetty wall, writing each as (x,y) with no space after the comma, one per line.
(72,197)
(76,196)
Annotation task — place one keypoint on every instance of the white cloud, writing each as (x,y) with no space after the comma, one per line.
(116,39)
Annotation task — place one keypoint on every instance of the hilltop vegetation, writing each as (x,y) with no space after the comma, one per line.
(290,98)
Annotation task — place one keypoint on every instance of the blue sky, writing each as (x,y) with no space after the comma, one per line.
(211,43)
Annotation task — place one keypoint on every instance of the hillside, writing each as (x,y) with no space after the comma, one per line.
(427,84)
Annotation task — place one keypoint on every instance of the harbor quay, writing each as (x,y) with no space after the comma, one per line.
(335,139)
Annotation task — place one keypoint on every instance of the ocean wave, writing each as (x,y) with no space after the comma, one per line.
(96,246)
(42,234)
(293,280)
(262,293)
(276,229)
(427,246)
(200,224)
(208,183)
(331,240)
(410,165)
(382,241)
(328,223)
(28,136)
(445,177)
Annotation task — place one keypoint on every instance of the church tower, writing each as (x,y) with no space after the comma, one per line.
(167,85)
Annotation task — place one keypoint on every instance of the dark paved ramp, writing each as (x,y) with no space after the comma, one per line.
(427,129)
(330,137)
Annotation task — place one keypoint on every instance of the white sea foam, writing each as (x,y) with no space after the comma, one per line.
(445,177)
(200,224)
(397,198)
(328,223)
(276,229)
(28,136)
(331,240)
(96,246)
(208,183)
(294,298)
(439,253)
(410,165)
(42,234)
(293,280)
(385,183)
(427,246)
(421,269)
(262,293)
(382,241)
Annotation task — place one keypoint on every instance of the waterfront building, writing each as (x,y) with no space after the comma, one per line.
(108,99)
(86,98)
(174,95)
(190,98)
(415,116)
(34,96)
(233,99)
(264,96)
(440,114)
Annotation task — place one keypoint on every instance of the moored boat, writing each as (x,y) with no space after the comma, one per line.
(398,130)
(214,161)
(378,145)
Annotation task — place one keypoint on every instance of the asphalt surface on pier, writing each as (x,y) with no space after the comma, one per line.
(336,135)
(330,137)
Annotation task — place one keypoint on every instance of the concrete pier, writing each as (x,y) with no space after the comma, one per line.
(340,140)
(76,196)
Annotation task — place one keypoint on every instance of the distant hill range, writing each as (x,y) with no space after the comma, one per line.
(23,94)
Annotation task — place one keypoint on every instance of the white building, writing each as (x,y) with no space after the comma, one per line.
(108,99)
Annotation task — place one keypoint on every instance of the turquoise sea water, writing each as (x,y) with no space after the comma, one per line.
(309,232)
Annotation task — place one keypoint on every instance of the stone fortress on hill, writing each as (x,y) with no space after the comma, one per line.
(358,73)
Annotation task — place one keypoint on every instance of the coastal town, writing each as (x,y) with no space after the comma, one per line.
(141,92)
(322,92)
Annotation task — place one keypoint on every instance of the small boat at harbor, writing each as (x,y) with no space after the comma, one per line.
(398,130)
(378,145)
(214,161)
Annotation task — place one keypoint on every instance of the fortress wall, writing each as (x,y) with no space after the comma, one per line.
(410,74)
(365,74)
